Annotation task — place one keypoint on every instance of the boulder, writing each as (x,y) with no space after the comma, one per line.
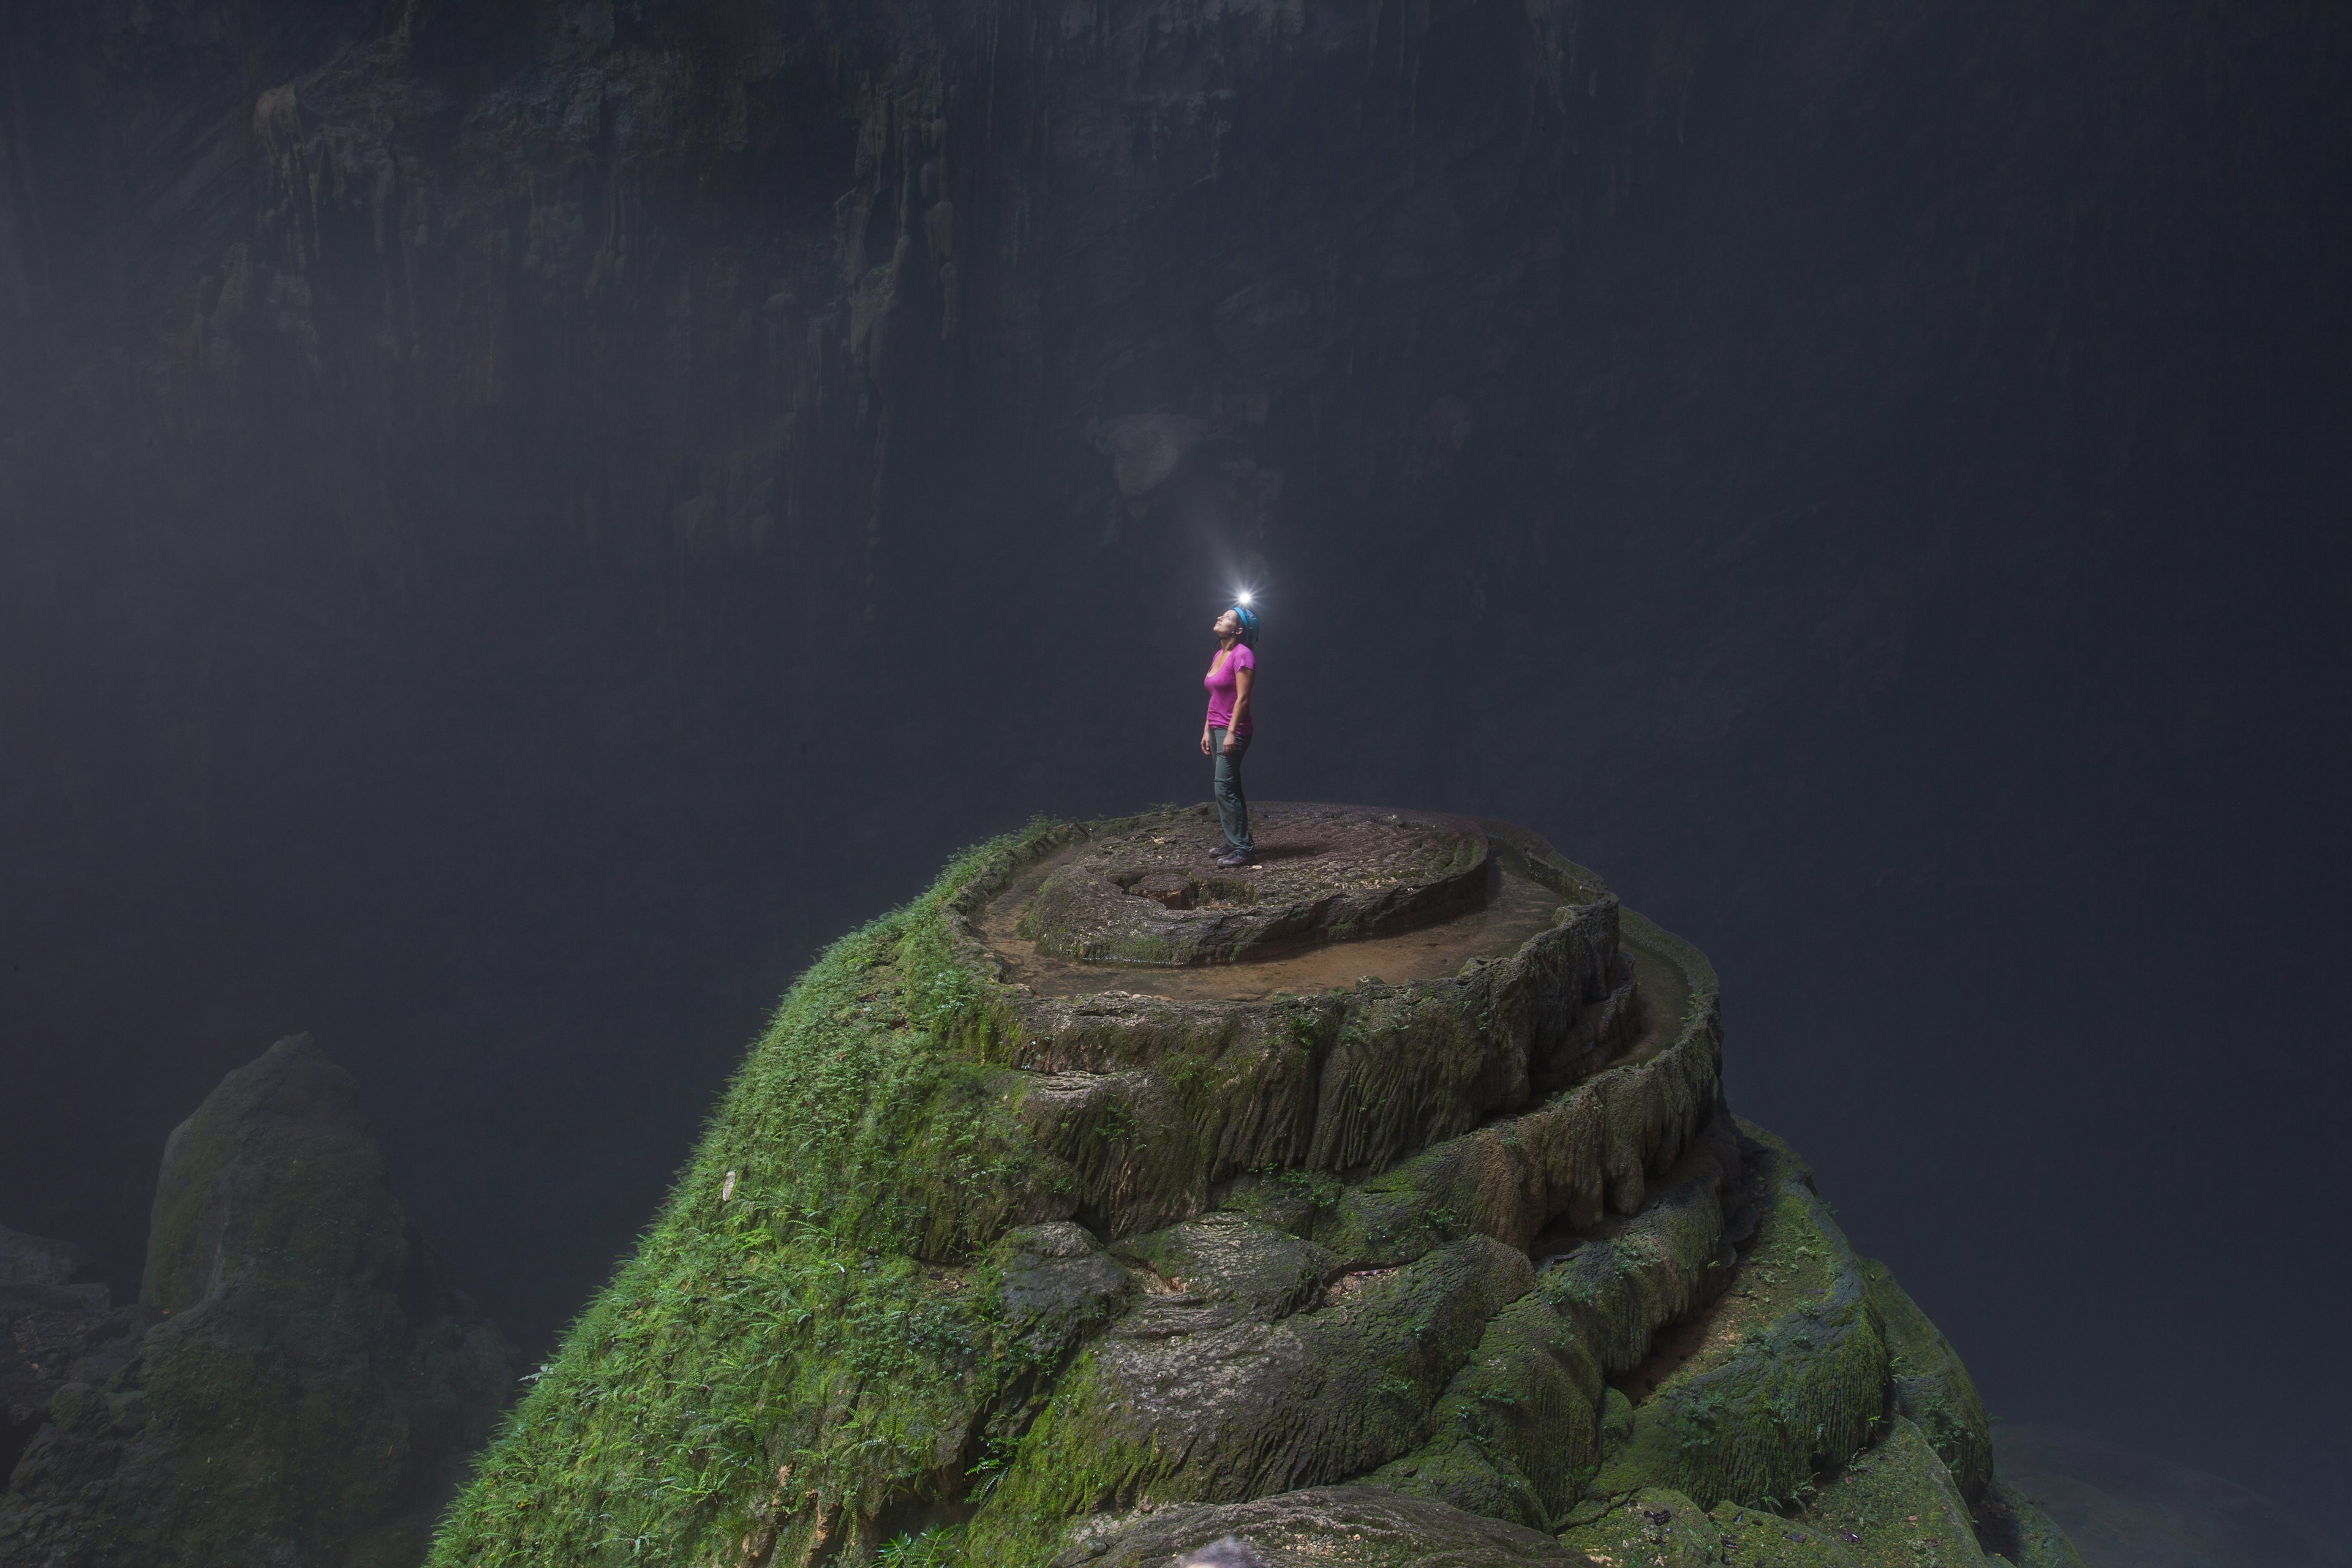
(308,1388)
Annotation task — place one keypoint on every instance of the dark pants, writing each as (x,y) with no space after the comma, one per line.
(1233,806)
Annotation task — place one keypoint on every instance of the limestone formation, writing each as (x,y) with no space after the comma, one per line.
(1378,1207)
(1324,874)
(297,1387)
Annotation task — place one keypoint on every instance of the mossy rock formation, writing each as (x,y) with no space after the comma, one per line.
(299,1385)
(1412,1228)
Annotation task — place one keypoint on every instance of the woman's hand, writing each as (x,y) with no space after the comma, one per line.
(1205,743)
(1230,740)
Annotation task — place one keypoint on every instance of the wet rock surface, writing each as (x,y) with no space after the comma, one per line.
(1343,1079)
(1151,895)
(297,1385)
(1365,1526)
(1478,1269)
(1191,1401)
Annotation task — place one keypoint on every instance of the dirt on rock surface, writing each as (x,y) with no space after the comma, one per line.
(1516,909)
(1153,896)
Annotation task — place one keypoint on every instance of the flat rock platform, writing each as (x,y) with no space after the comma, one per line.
(1330,861)
(1153,897)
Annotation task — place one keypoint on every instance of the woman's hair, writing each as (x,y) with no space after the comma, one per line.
(1248,618)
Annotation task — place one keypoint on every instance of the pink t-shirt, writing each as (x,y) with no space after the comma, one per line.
(1220,681)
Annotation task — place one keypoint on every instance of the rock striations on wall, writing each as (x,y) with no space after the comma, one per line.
(1431,1244)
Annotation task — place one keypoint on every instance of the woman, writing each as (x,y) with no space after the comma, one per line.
(1226,733)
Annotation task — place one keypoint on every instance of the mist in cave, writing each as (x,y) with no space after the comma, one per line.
(520,525)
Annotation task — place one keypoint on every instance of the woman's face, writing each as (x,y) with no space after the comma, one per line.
(1229,625)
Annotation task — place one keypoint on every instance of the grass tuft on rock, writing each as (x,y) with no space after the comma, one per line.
(814,1323)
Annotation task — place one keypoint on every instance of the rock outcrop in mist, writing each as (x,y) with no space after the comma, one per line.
(297,1385)
(439,441)
(994,1256)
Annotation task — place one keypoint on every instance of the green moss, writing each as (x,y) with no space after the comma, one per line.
(2037,1543)
(1234,1410)
(1175,1101)
(1522,1427)
(1517,1431)
(1393,1217)
(1788,1377)
(860,1303)
(259,1431)
(1255,1271)
(275,1177)
(1619,1288)
(261,1440)
(178,1252)
(1616,1422)
(1932,1387)
(1658,1527)
(1591,1146)
(1769,1541)
(814,1324)
(307,1379)
(1897,1507)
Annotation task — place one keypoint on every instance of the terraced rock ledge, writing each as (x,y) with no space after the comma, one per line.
(1323,874)
(1081,1211)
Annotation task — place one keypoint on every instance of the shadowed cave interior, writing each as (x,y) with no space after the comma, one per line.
(520,526)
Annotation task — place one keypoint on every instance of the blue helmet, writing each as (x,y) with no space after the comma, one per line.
(1248,618)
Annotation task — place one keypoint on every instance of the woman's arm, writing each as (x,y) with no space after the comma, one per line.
(1242,680)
